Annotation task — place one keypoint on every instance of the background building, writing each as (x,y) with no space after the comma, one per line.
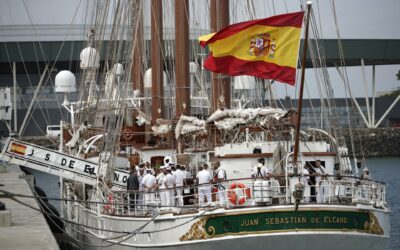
(348,115)
(34,34)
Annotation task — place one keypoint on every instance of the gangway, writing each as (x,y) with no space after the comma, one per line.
(56,163)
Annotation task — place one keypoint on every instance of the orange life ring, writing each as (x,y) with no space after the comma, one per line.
(127,134)
(233,197)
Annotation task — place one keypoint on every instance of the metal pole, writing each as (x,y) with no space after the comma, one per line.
(15,97)
(366,93)
(215,88)
(72,117)
(352,97)
(373,96)
(225,81)
(33,101)
(157,73)
(300,103)
(60,149)
(388,111)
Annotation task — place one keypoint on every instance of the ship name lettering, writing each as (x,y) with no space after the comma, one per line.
(315,220)
(277,221)
(251,222)
(67,162)
(31,153)
(335,220)
(298,220)
(71,164)
(63,161)
(89,170)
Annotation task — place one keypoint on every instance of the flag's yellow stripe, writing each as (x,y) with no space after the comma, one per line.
(205,38)
(18,149)
(238,45)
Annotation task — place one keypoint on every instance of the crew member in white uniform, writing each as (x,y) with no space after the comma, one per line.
(149,183)
(204,179)
(220,177)
(365,175)
(186,181)
(167,161)
(260,171)
(170,184)
(173,169)
(161,180)
(179,182)
(305,179)
(148,166)
(186,174)
(321,182)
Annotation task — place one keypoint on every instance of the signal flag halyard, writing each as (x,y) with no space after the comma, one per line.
(265,48)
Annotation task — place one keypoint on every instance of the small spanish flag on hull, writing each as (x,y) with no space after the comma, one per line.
(18,148)
(265,48)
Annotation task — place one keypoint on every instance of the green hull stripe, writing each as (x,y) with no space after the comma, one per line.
(287,220)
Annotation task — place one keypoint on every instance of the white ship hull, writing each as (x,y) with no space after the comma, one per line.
(280,239)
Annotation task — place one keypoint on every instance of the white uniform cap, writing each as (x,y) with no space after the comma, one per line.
(167,158)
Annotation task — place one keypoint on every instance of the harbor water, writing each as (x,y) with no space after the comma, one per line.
(382,169)
(388,171)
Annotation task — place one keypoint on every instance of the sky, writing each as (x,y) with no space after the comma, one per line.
(356,19)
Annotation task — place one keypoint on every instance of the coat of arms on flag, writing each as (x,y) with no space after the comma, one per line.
(262,45)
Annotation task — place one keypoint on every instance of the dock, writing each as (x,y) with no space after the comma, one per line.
(27,228)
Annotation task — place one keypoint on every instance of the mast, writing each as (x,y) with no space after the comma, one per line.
(220,85)
(137,65)
(15,97)
(300,102)
(182,99)
(156,60)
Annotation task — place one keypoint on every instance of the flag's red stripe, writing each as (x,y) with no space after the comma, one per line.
(291,19)
(203,43)
(233,66)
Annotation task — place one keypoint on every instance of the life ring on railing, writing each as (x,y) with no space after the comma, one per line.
(127,134)
(108,208)
(233,197)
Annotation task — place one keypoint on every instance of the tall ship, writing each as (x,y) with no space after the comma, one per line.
(202,167)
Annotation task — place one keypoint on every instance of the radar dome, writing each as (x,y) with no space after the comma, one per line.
(147,79)
(65,82)
(90,58)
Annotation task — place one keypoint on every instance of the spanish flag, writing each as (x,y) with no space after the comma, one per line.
(17,148)
(265,48)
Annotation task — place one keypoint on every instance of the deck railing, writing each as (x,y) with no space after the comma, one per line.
(246,192)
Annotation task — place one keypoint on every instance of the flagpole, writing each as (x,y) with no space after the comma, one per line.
(300,99)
